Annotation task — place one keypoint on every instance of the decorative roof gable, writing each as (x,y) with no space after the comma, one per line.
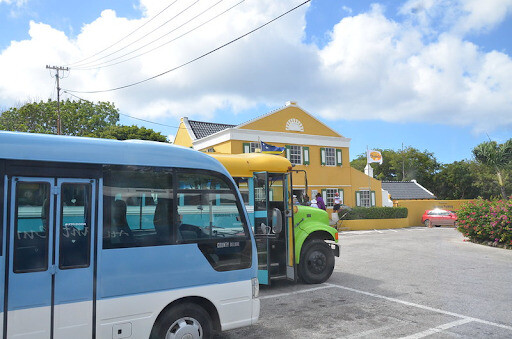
(290,119)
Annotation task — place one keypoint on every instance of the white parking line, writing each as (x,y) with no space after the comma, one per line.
(367,333)
(383,230)
(438,329)
(296,292)
(437,310)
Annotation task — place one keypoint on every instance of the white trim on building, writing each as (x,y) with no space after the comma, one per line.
(268,136)
(189,129)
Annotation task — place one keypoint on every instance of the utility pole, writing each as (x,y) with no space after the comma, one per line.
(403,163)
(57,77)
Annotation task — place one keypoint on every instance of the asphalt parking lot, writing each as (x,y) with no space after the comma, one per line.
(403,283)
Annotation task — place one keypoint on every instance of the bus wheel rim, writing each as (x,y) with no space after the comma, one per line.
(185,328)
(317,262)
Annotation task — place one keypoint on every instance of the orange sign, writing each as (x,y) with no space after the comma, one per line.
(374,156)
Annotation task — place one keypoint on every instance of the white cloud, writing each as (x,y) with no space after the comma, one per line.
(483,15)
(372,68)
(458,16)
(18,3)
(384,70)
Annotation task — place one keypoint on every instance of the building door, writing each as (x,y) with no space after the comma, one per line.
(50,276)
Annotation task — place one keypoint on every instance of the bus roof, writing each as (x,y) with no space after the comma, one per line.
(244,165)
(44,147)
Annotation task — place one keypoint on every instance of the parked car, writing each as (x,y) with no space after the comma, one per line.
(439,217)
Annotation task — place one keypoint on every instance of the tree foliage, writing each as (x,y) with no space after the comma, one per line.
(497,157)
(403,166)
(457,181)
(467,179)
(120,132)
(78,118)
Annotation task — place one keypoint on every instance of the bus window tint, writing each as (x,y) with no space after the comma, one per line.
(75,232)
(31,232)
(243,187)
(138,207)
(207,209)
(209,215)
(198,181)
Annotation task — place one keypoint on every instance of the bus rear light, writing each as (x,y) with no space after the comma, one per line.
(336,236)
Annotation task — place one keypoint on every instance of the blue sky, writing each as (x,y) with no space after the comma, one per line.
(431,74)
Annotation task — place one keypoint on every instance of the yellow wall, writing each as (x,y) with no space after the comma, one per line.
(416,208)
(182,137)
(277,123)
(372,224)
(223,147)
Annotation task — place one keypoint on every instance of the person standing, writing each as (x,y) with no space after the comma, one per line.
(320,201)
(313,203)
(336,202)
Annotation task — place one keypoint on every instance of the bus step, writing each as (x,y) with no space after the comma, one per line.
(278,277)
(264,266)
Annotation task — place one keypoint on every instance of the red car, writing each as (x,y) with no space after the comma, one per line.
(439,217)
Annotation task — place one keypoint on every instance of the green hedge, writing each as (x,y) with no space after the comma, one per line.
(487,221)
(372,213)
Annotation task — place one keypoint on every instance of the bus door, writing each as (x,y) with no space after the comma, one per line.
(50,279)
(271,227)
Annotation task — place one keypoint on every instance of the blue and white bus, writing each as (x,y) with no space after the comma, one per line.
(120,239)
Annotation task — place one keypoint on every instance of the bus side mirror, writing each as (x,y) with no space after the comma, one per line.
(277,221)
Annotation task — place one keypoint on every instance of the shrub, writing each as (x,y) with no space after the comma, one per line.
(484,220)
(355,213)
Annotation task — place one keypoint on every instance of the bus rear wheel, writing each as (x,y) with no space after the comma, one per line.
(316,262)
(183,321)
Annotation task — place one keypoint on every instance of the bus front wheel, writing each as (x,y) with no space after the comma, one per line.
(316,262)
(183,321)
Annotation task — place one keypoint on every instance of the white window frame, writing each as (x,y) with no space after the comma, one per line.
(329,194)
(330,159)
(253,145)
(368,200)
(294,152)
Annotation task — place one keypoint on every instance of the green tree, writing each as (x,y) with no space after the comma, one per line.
(121,132)
(486,183)
(403,165)
(79,118)
(497,157)
(457,181)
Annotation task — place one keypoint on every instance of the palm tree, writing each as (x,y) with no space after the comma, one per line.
(497,156)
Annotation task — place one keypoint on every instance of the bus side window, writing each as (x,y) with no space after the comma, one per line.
(208,207)
(137,207)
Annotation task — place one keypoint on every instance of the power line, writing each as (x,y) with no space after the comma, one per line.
(106,63)
(195,59)
(124,114)
(126,36)
(106,56)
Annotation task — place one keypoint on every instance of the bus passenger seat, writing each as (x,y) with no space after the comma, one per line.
(163,219)
(120,231)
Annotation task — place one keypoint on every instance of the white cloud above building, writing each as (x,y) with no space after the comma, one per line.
(419,68)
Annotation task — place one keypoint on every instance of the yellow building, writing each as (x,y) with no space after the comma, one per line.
(309,144)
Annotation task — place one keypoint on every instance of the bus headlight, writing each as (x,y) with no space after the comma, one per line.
(255,288)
